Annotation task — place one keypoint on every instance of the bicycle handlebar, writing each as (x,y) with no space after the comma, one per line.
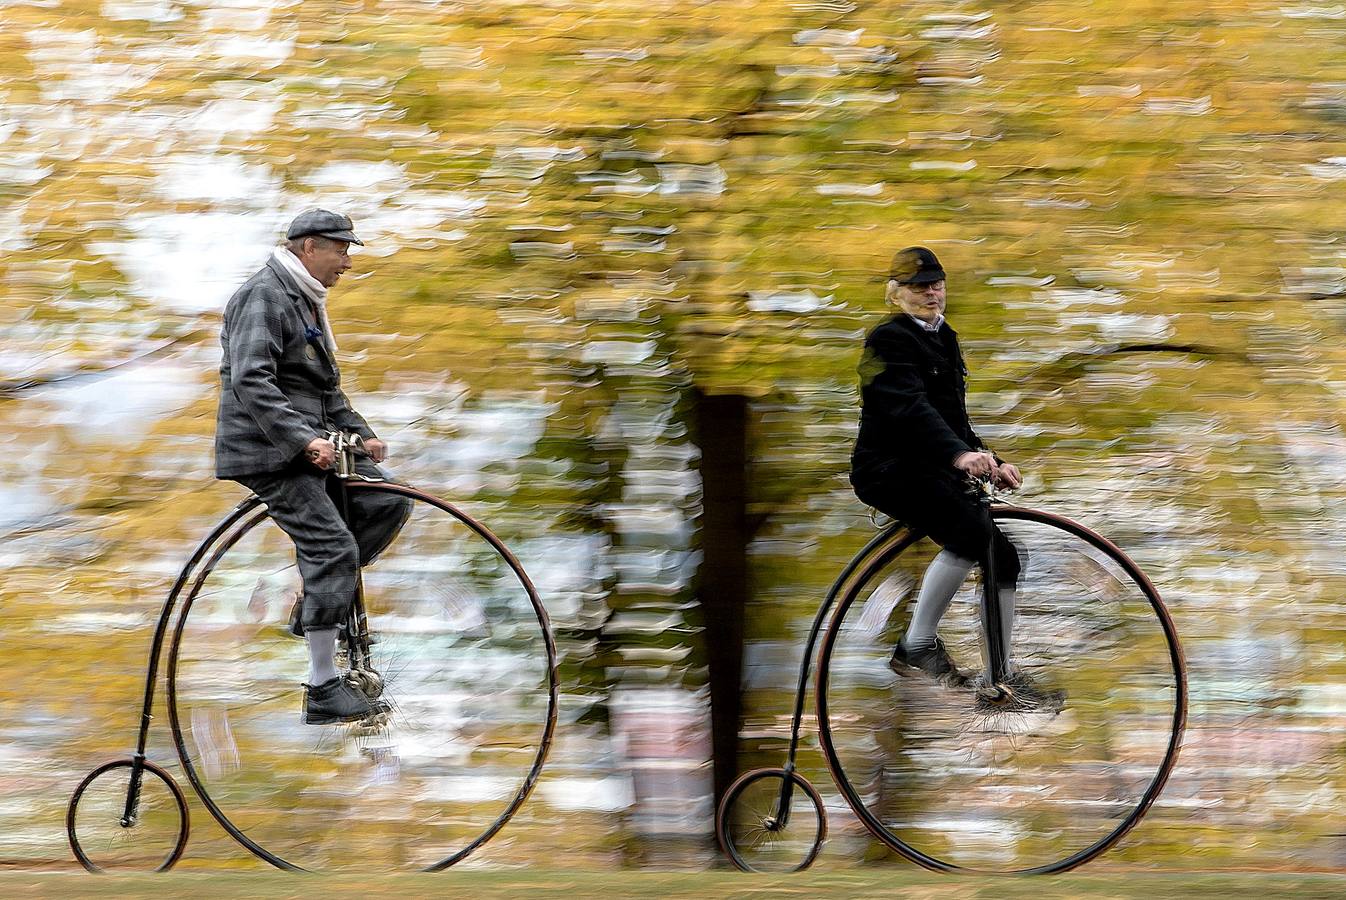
(984,488)
(981,487)
(348,446)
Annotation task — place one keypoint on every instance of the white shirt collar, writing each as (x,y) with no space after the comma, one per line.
(928,326)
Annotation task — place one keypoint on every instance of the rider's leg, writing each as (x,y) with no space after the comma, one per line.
(374,518)
(1008,569)
(325,549)
(940,506)
(321,654)
(963,528)
(946,574)
(1006,596)
(1027,693)
(328,559)
(1008,566)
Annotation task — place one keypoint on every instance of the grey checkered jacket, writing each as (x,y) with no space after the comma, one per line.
(279,388)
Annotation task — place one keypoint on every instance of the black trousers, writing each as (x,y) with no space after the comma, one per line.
(306,502)
(940,506)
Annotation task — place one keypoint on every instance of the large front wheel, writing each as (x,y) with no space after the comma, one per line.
(953,782)
(465,653)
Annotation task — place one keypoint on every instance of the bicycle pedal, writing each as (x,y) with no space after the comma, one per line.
(994,694)
(375,722)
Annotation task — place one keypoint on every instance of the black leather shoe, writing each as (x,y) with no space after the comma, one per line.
(932,661)
(338,701)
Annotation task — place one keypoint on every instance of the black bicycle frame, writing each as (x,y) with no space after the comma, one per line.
(997,654)
(787,784)
(996,651)
(358,627)
(156,649)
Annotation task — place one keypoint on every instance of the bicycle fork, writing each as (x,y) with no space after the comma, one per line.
(780,817)
(997,654)
(993,634)
(357,624)
(132,808)
(357,628)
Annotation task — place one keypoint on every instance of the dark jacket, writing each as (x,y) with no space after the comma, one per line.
(913,418)
(279,388)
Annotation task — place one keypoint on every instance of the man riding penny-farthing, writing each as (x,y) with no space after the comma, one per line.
(366,758)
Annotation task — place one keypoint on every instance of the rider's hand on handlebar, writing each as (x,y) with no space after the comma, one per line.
(321,452)
(1007,476)
(377,449)
(977,463)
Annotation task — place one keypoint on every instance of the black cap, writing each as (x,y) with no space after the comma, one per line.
(915,265)
(323,223)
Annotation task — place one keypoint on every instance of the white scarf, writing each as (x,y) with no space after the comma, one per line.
(312,289)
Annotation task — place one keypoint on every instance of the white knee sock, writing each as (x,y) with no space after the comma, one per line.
(321,654)
(942,580)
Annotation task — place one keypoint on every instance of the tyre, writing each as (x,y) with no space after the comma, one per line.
(103,840)
(464,650)
(953,782)
(760,833)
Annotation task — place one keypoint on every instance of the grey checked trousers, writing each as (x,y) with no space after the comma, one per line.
(305,502)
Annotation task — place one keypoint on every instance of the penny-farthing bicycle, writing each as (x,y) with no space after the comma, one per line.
(985,780)
(460,648)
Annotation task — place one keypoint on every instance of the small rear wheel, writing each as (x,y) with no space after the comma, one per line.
(104,839)
(771,820)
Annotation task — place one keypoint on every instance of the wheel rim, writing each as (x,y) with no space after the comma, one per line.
(749,827)
(1036,792)
(156,839)
(465,647)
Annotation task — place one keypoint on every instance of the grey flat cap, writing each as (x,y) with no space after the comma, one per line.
(323,223)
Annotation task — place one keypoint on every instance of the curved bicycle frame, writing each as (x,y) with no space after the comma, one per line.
(221,539)
(886,547)
(787,784)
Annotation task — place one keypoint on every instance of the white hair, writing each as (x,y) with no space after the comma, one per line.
(890,290)
(296,245)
